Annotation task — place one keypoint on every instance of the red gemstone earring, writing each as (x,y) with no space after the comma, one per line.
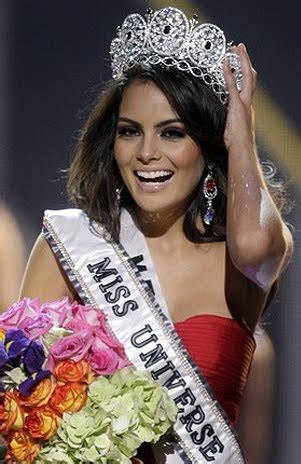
(210,192)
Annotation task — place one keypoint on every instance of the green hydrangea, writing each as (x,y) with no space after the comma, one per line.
(122,412)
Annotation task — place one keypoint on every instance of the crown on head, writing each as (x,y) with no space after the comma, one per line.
(168,38)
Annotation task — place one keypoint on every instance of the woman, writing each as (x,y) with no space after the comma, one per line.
(167,165)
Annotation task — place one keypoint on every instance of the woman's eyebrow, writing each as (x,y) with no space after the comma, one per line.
(160,124)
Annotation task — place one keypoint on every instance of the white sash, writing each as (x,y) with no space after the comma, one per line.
(105,276)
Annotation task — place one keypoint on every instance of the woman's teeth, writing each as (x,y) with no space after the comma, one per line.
(153,176)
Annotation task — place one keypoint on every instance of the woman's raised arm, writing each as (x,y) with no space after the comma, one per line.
(259,242)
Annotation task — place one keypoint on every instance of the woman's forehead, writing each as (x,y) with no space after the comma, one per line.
(141,98)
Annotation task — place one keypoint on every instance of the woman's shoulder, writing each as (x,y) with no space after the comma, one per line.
(44,276)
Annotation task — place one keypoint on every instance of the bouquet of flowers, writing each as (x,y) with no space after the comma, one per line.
(68,393)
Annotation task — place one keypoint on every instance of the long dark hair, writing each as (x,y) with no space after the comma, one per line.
(94,176)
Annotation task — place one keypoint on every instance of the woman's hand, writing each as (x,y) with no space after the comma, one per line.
(239,128)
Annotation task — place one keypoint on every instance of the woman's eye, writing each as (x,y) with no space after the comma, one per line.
(174,133)
(125,131)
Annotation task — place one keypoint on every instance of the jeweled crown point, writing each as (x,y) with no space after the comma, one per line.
(167,38)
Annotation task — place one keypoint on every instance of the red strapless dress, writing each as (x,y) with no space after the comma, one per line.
(223,350)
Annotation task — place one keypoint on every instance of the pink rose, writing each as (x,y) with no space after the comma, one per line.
(104,361)
(18,311)
(75,347)
(107,347)
(78,320)
(36,326)
(105,338)
(86,316)
(60,311)
(95,317)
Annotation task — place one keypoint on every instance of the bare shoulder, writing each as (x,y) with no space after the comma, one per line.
(10,235)
(12,257)
(44,277)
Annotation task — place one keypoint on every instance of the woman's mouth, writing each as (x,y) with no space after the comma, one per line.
(153,181)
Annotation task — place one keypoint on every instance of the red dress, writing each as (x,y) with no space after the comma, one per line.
(223,350)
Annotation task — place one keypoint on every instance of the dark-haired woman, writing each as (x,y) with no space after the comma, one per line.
(177,236)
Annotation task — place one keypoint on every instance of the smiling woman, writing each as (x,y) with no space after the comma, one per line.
(180,117)
(178,237)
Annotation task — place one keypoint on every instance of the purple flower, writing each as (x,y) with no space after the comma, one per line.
(16,341)
(33,357)
(28,385)
(3,355)
(13,335)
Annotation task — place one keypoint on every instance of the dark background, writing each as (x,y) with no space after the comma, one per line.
(54,58)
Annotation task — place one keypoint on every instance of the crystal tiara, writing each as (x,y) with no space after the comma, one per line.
(166,37)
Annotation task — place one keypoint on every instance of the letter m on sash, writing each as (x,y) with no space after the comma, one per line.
(101,270)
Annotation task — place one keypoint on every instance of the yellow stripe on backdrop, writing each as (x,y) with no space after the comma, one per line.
(275,131)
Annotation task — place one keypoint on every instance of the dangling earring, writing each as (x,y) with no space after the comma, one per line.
(210,192)
(118,193)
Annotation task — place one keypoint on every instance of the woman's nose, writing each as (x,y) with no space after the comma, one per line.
(149,149)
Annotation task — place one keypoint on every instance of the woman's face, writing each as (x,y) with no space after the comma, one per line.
(159,163)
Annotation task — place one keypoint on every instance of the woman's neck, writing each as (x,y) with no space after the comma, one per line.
(159,223)
(167,224)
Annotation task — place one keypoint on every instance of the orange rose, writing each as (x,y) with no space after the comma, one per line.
(11,414)
(40,394)
(22,447)
(70,397)
(42,423)
(71,371)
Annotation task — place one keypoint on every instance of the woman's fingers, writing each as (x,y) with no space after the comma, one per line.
(242,46)
(248,74)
